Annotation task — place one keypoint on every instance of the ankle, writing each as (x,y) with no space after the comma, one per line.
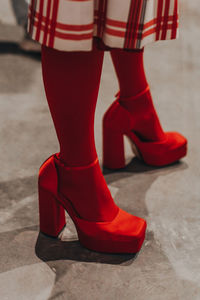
(62,162)
(146,123)
(123,99)
(134,89)
(87,190)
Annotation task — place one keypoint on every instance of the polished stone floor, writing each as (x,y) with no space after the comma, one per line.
(34,267)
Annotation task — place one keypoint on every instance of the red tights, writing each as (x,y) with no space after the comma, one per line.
(130,71)
(71,81)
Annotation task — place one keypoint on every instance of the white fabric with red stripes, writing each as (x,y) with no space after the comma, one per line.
(69,25)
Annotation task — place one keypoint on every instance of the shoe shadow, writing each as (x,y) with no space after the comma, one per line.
(13,48)
(51,249)
(136,166)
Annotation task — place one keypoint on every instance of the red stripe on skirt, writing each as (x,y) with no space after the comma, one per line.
(137,23)
(154,21)
(39,20)
(74,37)
(116,23)
(159,15)
(132,10)
(47,22)
(133,24)
(67,36)
(175,20)
(166,14)
(65,26)
(101,13)
(75,27)
(153,30)
(123,25)
(53,24)
(145,34)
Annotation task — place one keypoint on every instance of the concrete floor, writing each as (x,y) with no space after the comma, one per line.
(34,267)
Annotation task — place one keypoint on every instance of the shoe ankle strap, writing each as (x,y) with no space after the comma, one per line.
(63,163)
(134,97)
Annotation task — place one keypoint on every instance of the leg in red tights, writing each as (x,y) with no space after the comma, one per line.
(129,67)
(71,81)
(130,72)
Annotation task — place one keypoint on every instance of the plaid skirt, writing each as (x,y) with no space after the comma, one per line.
(71,25)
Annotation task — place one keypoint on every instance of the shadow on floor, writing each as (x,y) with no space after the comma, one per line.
(13,48)
(136,166)
(51,249)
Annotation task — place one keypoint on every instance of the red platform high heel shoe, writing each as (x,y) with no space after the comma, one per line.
(138,125)
(124,234)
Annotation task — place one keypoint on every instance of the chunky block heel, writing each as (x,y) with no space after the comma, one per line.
(51,214)
(125,233)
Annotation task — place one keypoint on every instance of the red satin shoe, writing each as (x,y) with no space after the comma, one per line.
(124,234)
(165,149)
